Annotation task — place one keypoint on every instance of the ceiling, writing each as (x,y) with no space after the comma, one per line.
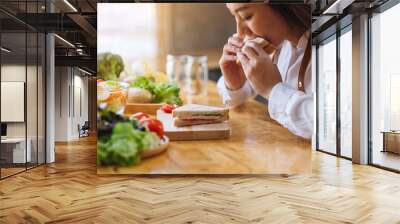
(330,16)
(76,22)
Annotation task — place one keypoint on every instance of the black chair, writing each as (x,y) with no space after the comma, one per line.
(84,130)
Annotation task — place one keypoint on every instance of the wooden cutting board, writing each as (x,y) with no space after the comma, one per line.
(147,108)
(195,132)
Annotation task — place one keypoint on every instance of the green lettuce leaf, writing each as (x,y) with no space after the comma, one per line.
(122,148)
(162,93)
(144,83)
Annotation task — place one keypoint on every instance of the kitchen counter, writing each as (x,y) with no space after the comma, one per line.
(258,145)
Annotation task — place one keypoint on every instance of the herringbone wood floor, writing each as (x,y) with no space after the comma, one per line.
(69,191)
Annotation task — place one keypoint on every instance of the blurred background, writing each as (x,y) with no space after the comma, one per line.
(151,31)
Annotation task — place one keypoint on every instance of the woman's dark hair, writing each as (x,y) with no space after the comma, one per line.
(298,15)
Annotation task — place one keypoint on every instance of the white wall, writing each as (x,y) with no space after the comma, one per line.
(82,82)
(33,127)
(16,73)
(70,83)
(61,103)
(80,100)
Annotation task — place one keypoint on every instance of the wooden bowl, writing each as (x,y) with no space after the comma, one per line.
(147,108)
(156,150)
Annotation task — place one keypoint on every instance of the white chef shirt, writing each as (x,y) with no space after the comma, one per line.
(287,105)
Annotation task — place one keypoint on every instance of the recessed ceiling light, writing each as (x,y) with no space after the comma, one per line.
(70,5)
(5,50)
(64,40)
(338,6)
(84,71)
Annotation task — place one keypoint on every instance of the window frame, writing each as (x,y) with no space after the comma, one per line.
(333,37)
(27,29)
(378,10)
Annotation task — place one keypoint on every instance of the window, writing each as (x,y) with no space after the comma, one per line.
(326,99)
(334,96)
(385,89)
(346,93)
(22,77)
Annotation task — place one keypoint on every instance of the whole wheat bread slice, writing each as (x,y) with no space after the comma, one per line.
(181,123)
(197,111)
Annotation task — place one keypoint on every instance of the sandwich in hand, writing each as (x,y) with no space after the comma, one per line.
(265,44)
(195,114)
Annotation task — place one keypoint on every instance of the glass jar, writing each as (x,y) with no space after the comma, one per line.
(189,72)
(112,95)
(196,75)
(176,69)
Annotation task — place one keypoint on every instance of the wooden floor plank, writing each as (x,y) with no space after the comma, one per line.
(69,191)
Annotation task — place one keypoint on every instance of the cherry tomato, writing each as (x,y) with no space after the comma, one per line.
(167,108)
(140,116)
(154,125)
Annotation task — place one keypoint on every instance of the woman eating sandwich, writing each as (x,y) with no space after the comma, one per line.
(270,55)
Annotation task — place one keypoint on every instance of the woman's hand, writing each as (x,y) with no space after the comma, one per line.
(233,73)
(258,68)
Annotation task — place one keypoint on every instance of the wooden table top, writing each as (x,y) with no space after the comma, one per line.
(258,145)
